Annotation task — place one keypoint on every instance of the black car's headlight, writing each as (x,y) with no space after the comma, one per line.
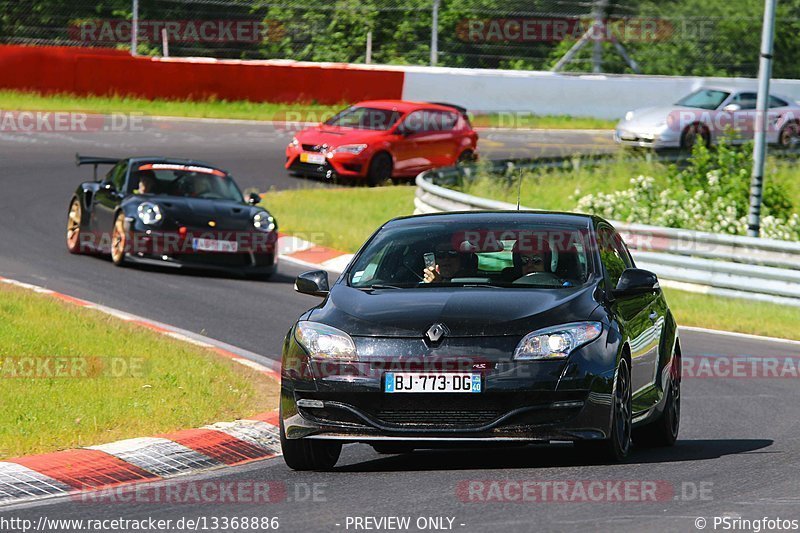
(264,221)
(149,213)
(325,342)
(557,342)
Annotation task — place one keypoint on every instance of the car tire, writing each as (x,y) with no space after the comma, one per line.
(392,448)
(466,157)
(74,223)
(692,133)
(307,454)
(663,431)
(380,169)
(616,448)
(119,240)
(789,134)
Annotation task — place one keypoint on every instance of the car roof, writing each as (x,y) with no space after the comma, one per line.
(405,106)
(174,161)
(544,217)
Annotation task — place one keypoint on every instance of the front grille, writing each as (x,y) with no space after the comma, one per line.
(313,147)
(438,417)
(212,259)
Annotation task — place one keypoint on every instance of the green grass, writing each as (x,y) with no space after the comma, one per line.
(338,218)
(733,314)
(159,384)
(246,110)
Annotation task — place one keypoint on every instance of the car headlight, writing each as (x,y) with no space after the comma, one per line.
(149,213)
(629,116)
(354,149)
(264,221)
(294,142)
(325,342)
(557,342)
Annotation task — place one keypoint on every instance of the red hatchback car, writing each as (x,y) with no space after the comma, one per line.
(377,140)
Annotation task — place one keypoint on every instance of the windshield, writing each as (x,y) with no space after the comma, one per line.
(366,118)
(515,255)
(211,184)
(704,99)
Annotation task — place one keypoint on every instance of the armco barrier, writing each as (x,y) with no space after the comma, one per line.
(93,71)
(726,265)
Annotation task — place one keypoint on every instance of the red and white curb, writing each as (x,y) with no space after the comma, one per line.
(309,254)
(139,460)
(149,458)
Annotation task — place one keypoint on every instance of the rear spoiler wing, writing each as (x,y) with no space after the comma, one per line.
(92,160)
(460,109)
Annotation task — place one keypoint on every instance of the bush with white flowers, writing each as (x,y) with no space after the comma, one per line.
(710,194)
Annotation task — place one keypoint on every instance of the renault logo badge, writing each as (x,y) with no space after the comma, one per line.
(436,332)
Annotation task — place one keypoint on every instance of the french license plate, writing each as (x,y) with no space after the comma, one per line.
(214,245)
(627,136)
(314,159)
(437,382)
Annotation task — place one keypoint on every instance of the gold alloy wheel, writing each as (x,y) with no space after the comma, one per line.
(118,240)
(74,227)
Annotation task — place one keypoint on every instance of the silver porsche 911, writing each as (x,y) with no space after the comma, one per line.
(707,114)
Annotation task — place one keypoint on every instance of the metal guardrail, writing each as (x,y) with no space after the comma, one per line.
(725,265)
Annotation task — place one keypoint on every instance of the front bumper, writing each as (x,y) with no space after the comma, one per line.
(338,165)
(520,401)
(656,139)
(256,251)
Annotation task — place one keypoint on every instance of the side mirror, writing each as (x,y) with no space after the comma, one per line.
(635,281)
(314,283)
(254,198)
(731,108)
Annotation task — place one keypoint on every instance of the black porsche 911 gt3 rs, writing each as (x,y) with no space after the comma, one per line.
(172,213)
(489,327)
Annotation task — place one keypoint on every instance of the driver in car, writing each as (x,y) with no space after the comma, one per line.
(450,263)
(147,182)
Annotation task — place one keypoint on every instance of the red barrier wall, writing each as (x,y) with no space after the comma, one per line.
(88,71)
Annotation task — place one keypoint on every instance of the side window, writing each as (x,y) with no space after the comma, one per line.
(446,121)
(613,255)
(776,102)
(745,100)
(416,122)
(117,175)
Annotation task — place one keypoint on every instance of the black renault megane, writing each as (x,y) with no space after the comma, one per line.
(482,327)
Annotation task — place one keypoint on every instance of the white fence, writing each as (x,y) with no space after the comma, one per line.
(604,96)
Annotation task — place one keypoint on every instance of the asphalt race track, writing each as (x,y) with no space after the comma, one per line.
(740,439)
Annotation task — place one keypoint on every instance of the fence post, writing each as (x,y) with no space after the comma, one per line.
(435,33)
(135,28)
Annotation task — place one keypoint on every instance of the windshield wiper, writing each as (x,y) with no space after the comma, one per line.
(380,286)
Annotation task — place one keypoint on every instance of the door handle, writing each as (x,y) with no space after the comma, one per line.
(653,316)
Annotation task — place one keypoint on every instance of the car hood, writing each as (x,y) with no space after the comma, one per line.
(650,117)
(336,136)
(198,212)
(466,312)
